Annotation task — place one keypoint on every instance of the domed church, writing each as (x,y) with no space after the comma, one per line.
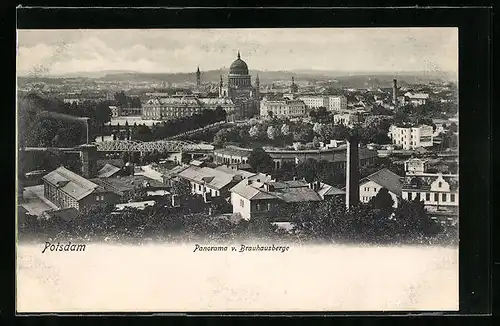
(239,86)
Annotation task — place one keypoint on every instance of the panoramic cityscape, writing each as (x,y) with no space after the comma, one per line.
(232,152)
(246,158)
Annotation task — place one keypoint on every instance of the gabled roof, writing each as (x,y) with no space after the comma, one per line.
(211,177)
(387,179)
(107,171)
(70,183)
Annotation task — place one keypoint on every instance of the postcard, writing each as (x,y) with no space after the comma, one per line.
(237,170)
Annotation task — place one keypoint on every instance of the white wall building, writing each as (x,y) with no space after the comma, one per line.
(384,178)
(314,101)
(337,103)
(282,108)
(408,137)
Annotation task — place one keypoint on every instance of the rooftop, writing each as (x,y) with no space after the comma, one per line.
(387,179)
(71,183)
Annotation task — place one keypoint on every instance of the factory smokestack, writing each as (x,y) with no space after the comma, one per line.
(352,173)
(395,92)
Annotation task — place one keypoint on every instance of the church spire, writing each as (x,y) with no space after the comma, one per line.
(239,57)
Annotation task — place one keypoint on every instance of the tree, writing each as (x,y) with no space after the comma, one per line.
(318,127)
(272,132)
(142,133)
(221,137)
(285,130)
(260,161)
(383,200)
(453,127)
(254,132)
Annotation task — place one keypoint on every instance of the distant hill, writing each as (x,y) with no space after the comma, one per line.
(343,79)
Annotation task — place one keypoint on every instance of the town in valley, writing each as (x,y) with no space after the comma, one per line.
(238,152)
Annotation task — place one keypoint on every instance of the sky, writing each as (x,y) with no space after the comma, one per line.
(56,52)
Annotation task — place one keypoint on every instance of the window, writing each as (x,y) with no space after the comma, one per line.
(375,189)
(242,203)
(427,196)
(443,196)
(440,184)
(268,206)
(409,195)
(452,198)
(257,206)
(436,197)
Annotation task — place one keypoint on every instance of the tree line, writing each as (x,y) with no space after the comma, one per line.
(329,220)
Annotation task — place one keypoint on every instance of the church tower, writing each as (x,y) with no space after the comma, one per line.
(198,77)
(293,87)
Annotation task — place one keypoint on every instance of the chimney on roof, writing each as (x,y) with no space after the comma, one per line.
(352,173)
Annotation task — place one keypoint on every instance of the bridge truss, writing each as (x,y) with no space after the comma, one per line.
(171,146)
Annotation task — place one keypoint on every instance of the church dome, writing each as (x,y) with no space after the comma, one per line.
(238,67)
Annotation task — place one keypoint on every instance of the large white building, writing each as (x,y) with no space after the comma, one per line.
(411,137)
(330,102)
(337,103)
(177,107)
(315,101)
(286,108)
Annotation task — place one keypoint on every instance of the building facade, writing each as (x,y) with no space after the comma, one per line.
(285,108)
(66,189)
(251,198)
(411,137)
(238,155)
(384,178)
(178,107)
(337,103)
(315,101)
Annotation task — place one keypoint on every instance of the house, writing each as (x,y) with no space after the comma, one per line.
(216,182)
(411,137)
(438,192)
(66,189)
(251,198)
(384,178)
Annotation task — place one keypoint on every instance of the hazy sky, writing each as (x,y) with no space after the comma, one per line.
(175,50)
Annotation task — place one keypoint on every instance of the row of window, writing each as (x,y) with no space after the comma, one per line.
(444,197)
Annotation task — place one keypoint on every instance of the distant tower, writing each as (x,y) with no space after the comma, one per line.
(198,77)
(395,92)
(257,88)
(352,172)
(293,87)
(88,156)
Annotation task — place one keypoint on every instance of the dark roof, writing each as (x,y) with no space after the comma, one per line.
(387,179)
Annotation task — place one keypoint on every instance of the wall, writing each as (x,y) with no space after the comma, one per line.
(236,203)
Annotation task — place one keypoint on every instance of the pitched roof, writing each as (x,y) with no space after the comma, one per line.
(387,179)
(211,177)
(327,190)
(71,183)
(107,171)
(287,191)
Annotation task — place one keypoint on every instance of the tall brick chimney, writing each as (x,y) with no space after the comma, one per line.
(88,157)
(395,92)
(352,172)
